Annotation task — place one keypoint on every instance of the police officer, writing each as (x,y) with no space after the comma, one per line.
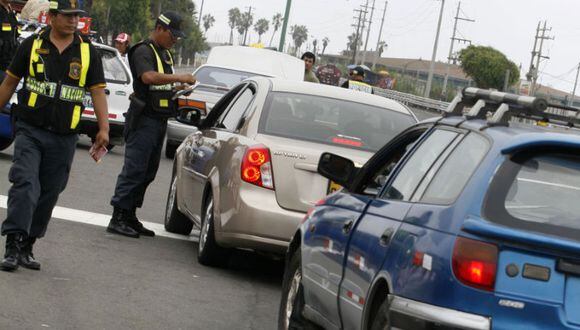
(58,67)
(8,36)
(151,65)
(356,81)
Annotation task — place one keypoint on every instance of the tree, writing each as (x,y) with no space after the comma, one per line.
(208,21)
(488,66)
(246,20)
(276,22)
(299,35)
(234,15)
(325,43)
(261,27)
(351,45)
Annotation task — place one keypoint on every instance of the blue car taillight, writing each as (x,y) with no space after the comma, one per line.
(475,263)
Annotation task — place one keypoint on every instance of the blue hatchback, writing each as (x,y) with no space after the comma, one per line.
(470,221)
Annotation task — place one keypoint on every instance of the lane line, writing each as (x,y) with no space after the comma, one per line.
(102,220)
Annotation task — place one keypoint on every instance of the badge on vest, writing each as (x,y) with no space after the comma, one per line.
(42,51)
(6,27)
(75,71)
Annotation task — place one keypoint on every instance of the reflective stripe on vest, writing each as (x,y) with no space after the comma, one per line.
(71,94)
(163,103)
(360,86)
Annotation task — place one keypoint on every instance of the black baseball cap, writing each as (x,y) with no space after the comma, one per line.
(172,21)
(358,70)
(66,6)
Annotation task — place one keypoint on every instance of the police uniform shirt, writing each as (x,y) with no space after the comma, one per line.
(57,66)
(141,60)
(8,36)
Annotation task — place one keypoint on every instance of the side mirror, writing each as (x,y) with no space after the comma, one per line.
(337,169)
(189,116)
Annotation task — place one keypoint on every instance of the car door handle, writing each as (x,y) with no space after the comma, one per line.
(347,226)
(386,236)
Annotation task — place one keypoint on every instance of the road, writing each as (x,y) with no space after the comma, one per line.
(94,280)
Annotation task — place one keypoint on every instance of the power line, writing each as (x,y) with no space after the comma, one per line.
(537,54)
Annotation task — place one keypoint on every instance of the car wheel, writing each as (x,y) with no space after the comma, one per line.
(292,304)
(209,253)
(5,143)
(170,150)
(381,321)
(175,221)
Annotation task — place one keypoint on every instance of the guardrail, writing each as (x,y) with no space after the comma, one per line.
(413,101)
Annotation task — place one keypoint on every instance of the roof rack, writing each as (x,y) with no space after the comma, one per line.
(504,106)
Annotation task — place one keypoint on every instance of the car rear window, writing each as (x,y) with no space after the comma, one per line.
(115,71)
(540,193)
(331,121)
(221,77)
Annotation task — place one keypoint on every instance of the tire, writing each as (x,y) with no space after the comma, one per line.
(290,315)
(209,253)
(170,150)
(5,142)
(381,321)
(175,221)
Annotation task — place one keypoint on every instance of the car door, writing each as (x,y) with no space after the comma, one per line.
(325,244)
(370,240)
(214,152)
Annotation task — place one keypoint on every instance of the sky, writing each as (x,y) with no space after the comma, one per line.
(410,27)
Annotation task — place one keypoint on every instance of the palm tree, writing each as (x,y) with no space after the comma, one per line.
(325,42)
(244,23)
(208,21)
(276,22)
(299,35)
(315,46)
(233,20)
(351,45)
(261,26)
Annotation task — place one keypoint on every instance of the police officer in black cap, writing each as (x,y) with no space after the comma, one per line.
(8,36)
(356,81)
(58,68)
(151,105)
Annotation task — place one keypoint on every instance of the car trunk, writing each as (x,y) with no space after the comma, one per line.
(209,96)
(296,180)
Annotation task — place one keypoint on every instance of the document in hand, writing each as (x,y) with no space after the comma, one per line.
(97,154)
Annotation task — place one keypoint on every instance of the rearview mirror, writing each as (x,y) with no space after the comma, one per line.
(189,116)
(336,168)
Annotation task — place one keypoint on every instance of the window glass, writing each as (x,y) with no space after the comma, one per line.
(114,70)
(232,118)
(456,171)
(210,75)
(418,164)
(332,121)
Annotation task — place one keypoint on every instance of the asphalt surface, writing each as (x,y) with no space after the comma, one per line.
(94,280)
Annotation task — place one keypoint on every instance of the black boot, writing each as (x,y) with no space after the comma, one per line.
(138,226)
(120,224)
(26,258)
(10,262)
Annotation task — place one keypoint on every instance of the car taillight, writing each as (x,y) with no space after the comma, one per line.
(475,263)
(257,167)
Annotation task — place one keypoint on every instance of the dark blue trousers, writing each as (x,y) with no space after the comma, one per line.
(142,156)
(40,169)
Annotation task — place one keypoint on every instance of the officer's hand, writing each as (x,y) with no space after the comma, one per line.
(187,78)
(102,139)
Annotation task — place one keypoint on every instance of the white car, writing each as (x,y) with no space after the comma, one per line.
(225,68)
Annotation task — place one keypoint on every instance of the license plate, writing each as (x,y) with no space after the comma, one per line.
(332,187)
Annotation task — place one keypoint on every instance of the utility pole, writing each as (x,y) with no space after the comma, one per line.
(537,55)
(285,26)
(357,34)
(434,56)
(247,28)
(364,57)
(380,34)
(200,12)
(452,58)
(571,101)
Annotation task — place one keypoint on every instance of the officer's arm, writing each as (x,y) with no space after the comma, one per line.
(156,78)
(101,111)
(7,89)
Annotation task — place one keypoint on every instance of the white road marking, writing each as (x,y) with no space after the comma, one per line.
(102,220)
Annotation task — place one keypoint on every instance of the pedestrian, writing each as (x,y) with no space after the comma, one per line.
(58,67)
(151,105)
(8,36)
(356,81)
(122,44)
(309,60)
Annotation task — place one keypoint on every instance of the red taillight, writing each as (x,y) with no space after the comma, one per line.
(257,167)
(475,263)
(347,141)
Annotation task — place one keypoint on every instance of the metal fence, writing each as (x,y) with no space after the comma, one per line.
(413,101)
